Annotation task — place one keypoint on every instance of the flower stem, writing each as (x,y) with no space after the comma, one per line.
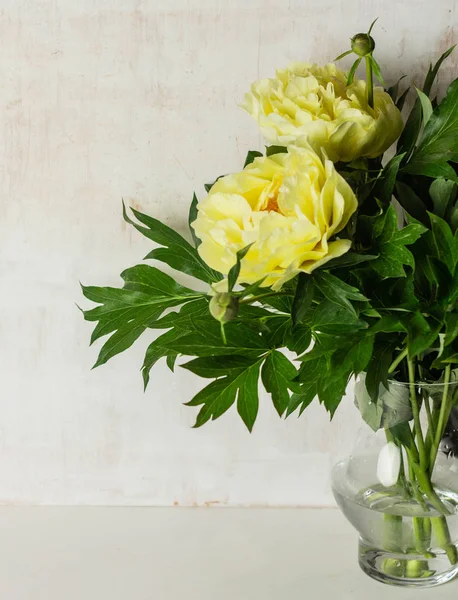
(399,358)
(443,418)
(416,415)
(442,534)
(369,83)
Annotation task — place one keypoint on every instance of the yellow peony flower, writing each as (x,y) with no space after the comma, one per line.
(314,103)
(288,206)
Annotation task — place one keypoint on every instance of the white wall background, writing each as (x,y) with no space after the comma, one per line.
(106,99)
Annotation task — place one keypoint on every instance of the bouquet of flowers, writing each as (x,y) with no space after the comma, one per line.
(322,247)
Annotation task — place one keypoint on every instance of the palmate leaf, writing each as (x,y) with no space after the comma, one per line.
(345,362)
(194,332)
(278,375)
(421,334)
(303,298)
(350,259)
(390,244)
(217,397)
(175,251)
(378,366)
(337,291)
(179,324)
(332,319)
(126,312)
(327,368)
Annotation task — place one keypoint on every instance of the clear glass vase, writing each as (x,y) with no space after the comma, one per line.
(404,508)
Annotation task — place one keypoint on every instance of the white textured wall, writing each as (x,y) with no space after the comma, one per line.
(106,99)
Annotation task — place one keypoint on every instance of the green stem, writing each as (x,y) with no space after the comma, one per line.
(369,83)
(262,296)
(427,488)
(442,534)
(443,418)
(416,415)
(399,358)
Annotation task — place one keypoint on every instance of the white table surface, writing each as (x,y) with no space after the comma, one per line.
(60,553)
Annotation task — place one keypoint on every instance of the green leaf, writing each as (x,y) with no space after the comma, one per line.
(216,399)
(277,376)
(451,327)
(129,311)
(444,242)
(235,270)
(332,394)
(346,361)
(410,202)
(388,324)
(402,99)
(412,127)
(403,434)
(299,339)
(191,218)
(377,369)
(270,150)
(303,298)
(157,350)
(432,72)
(428,168)
(393,90)
(411,131)
(176,251)
(332,319)
(383,189)
(439,142)
(350,259)
(171,360)
(426,106)
(390,243)
(443,193)
(180,323)
(351,73)
(376,69)
(337,291)
(252,154)
(278,330)
(303,398)
(221,394)
(213,367)
(205,340)
(157,286)
(248,398)
(359,356)
(421,336)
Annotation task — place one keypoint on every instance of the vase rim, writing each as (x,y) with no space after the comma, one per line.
(421,382)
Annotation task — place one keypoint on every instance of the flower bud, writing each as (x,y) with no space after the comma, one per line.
(362,44)
(224,307)
(389,464)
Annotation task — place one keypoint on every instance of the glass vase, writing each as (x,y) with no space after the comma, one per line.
(404,508)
